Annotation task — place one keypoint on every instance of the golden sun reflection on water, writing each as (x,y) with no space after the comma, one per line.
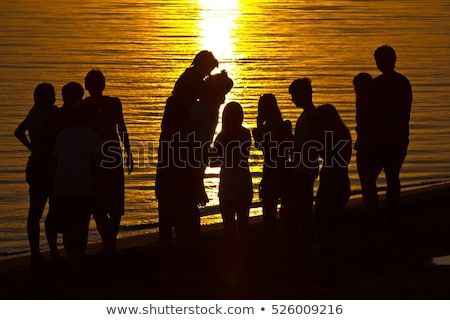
(217,24)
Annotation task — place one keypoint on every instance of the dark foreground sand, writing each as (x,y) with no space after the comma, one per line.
(393,263)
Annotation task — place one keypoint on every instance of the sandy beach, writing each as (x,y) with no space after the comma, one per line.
(395,262)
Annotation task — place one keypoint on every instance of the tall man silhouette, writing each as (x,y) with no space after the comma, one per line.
(302,171)
(391,113)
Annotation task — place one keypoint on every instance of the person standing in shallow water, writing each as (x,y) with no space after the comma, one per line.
(391,115)
(333,193)
(39,123)
(365,106)
(204,116)
(366,144)
(177,200)
(235,187)
(302,171)
(274,137)
(106,119)
(76,158)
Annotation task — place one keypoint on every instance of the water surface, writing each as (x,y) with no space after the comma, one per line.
(142,46)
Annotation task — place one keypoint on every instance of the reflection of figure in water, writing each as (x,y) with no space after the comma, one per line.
(235,188)
(106,119)
(40,140)
(273,136)
(393,98)
(177,200)
(77,156)
(334,188)
(204,117)
(297,200)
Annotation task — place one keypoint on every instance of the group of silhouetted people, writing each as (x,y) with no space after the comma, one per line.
(76,165)
(320,145)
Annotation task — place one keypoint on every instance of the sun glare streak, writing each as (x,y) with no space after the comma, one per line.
(217,24)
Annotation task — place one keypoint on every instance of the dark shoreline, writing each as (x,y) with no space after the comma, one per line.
(399,265)
(211,210)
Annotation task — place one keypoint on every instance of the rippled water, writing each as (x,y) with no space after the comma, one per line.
(143,45)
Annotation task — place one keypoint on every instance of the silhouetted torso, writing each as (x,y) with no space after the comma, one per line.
(305,162)
(334,169)
(189,84)
(235,178)
(204,118)
(41,130)
(76,150)
(393,107)
(366,127)
(108,111)
(176,113)
(275,140)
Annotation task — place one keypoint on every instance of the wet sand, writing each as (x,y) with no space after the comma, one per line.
(394,262)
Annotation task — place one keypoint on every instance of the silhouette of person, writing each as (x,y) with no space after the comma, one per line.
(72,94)
(274,137)
(365,107)
(393,99)
(76,157)
(39,123)
(235,187)
(186,91)
(177,200)
(367,140)
(297,199)
(334,188)
(204,117)
(106,119)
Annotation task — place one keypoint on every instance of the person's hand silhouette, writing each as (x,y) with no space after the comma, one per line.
(130,162)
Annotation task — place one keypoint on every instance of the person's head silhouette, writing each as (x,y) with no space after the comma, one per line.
(268,110)
(44,95)
(72,93)
(362,83)
(216,87)
(205,62)
(232,116)
(301,92)
(94,82)
(327,118)
(385,58)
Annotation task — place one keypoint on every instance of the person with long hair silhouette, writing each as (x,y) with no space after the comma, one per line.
(39,123)
(335,150)
(235,187)
(274,137)
(367,140)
